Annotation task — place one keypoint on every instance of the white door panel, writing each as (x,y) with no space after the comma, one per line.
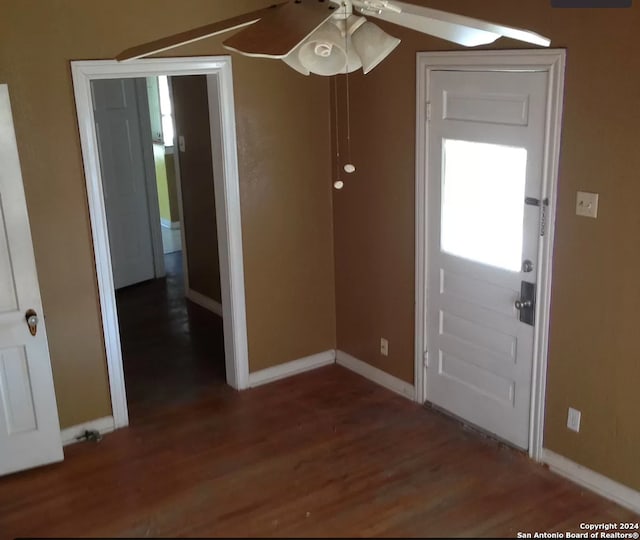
(460,287)
(124,180)
(487,107)
(485,156)
(29,428)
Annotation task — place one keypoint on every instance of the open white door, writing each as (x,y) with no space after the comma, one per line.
(29,428)
(130,197)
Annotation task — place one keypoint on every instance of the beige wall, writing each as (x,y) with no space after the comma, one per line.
(283,140)
(191,114)
(594,353)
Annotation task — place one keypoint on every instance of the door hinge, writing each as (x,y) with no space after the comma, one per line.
(428,111)
(425,359)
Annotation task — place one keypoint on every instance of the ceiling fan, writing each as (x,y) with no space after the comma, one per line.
(326,37)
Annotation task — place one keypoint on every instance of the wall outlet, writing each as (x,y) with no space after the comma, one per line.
(573,419)
(384,347)
(587,204)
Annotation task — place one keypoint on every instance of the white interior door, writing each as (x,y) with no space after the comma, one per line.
(29,429)
(124,180)
(485,158)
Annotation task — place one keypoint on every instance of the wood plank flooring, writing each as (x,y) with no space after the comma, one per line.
(173,349)
(325,453)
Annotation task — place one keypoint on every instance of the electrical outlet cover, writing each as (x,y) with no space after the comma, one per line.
(573,419)
(384,347)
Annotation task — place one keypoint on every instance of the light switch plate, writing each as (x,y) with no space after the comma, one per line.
(587,204)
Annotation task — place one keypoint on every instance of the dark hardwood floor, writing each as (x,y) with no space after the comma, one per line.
(326,453)
(173,349)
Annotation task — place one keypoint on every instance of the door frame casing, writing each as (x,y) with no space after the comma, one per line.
(229,236)
(553,62)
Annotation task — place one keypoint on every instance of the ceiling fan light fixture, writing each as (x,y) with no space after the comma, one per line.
(293,61)
(352,23)
(373,45)
(323,52)
(353,60)
(347,27)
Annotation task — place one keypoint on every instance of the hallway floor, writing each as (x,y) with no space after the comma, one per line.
(173,350)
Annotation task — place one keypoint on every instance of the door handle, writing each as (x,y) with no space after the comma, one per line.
(32,321)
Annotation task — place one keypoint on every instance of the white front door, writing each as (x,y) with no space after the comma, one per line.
(117,116)
(29,429)
(485,164)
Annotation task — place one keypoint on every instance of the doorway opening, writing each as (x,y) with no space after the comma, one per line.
(488,140)
(168,292)
(141,311)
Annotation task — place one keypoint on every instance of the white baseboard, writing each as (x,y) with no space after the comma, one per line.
(103,425)
(596,482)
(289,369)
(169,224)
(204,301)
(376,375)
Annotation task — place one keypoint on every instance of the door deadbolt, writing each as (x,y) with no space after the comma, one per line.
(32,321)
(526,304)
(523,304)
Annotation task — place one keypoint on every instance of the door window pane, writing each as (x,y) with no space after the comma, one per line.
(483,202)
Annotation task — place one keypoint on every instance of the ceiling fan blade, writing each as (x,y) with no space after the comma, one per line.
(196,34)
(279,32)
(459,29)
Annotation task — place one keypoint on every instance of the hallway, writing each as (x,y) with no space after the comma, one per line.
(173,350)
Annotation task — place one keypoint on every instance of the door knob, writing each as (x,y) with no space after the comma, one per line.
(523,304)
(32,321)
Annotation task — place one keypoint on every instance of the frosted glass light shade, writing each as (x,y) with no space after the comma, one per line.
(347,28)
(293,61)
(323,52)
(353,60)
(373,45)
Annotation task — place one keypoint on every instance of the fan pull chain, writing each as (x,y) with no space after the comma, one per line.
(349,166)
(338,184)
